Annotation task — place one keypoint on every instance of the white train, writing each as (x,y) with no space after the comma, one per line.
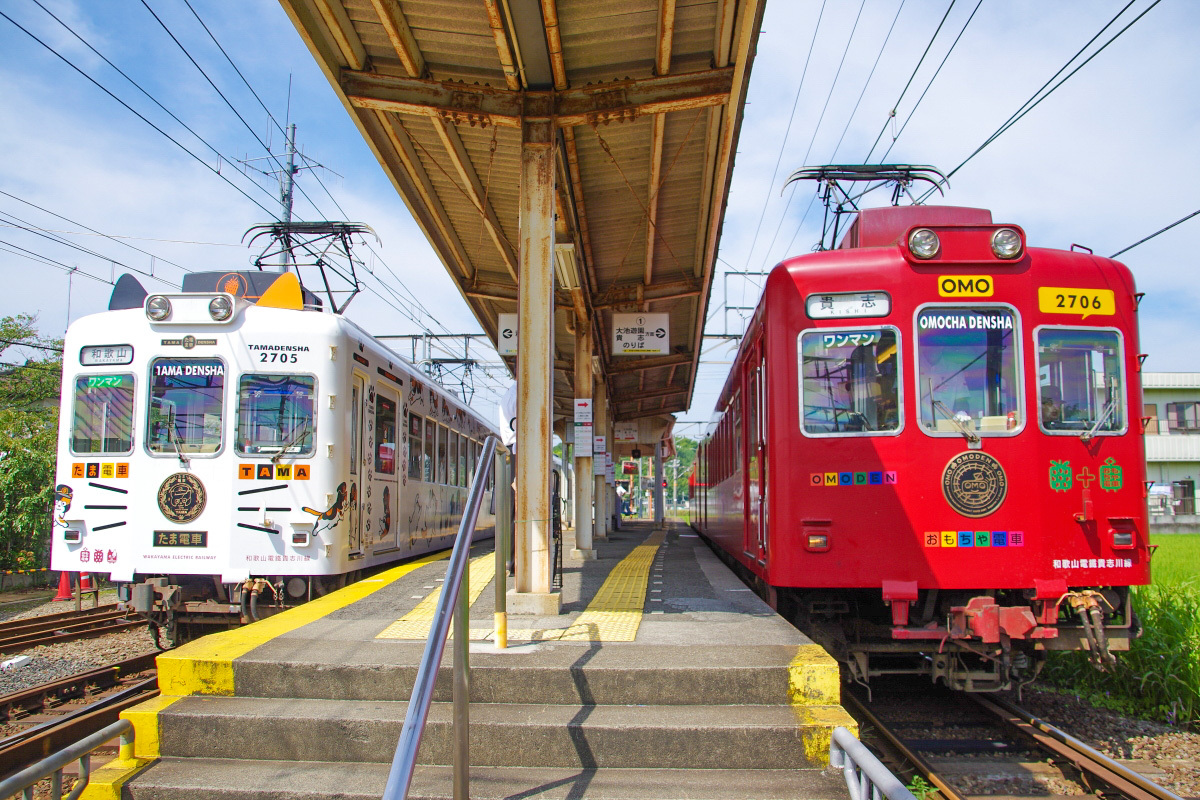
(229,450)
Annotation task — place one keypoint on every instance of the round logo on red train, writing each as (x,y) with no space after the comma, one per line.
(181,497)
(974,484)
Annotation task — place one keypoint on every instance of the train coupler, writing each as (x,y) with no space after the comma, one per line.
(1086,603)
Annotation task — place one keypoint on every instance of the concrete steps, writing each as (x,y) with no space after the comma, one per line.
(510,734)
(227,779)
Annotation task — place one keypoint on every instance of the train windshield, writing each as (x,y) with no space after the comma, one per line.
(275,415)
(103,414)
(186,405)
(849,381)
(1079,381)
(967,370)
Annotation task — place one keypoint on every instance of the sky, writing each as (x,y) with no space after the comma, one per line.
(1105,160)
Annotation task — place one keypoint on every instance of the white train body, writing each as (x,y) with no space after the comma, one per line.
(277,443)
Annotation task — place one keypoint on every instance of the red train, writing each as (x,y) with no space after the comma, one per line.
(929,450)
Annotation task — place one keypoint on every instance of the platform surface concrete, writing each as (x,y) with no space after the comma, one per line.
(663,667)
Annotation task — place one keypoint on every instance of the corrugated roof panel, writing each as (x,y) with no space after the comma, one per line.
(1171,380)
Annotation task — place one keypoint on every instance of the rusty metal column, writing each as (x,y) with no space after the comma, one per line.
(535,371)
(600,426)
(583,466)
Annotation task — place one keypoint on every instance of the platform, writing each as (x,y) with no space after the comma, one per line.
(665,677)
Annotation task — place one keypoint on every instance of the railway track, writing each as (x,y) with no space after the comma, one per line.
(18,635)
(61,712)
(967,746)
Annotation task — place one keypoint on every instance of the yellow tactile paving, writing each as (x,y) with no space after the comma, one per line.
(614,615)
(415,624)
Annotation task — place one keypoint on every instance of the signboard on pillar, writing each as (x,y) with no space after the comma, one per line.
(583,410)
(610,474)
(583,440)
(641,334)
(506,334)
(599,453)
(625,431)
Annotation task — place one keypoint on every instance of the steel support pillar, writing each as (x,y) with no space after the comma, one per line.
(600,426)
(659,514)
(583,466)
(535,372)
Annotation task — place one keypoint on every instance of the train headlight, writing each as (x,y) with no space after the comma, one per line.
(158,308)
(220,308)
(1006,243)
(924,243)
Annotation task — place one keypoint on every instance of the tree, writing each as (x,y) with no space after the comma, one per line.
(30,375)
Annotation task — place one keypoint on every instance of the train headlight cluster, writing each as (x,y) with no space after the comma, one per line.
(158,308)
(220,308)
(1006,243)
(924,243)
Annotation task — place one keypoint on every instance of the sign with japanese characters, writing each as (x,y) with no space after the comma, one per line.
(841,305)
(583,440)
(106,354)
(625,431)
(583,410)
(641,334)
(506,334)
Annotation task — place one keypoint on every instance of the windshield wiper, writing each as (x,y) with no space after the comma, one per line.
(973,440)
(1086,436)
(299,431)
(173,437)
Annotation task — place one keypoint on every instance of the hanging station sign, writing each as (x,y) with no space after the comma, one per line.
(641,334)
(506,334)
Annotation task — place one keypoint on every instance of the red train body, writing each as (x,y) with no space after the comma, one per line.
(936,464)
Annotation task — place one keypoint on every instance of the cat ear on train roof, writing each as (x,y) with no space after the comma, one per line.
(285,292)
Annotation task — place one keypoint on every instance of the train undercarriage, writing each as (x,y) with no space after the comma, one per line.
(181,607)
(974,641)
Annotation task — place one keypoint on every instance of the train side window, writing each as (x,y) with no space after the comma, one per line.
(427,464)
(850,381)
(443,445)
(452,477)
(385,435)
(416,427)
(464,446)
(275,414)
(187,404)
(1080,381)
(103,414)
(968,377)
(472,455)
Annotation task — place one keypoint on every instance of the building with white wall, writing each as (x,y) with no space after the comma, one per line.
(1171,413)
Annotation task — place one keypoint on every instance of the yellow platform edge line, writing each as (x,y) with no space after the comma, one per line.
(614,615)
(205,666)
(415,624)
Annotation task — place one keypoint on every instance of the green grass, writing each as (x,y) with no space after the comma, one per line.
(1159,678)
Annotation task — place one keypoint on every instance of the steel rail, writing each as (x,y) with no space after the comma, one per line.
(55,734)
(65,688)
(84,629)
(14,626)
(81,751)
(909,755)
(1085,758)
(451,605)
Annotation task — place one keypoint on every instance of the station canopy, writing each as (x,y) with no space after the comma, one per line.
(647,99)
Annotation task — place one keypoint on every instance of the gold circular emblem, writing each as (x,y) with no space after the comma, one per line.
(181,497)
(974,484)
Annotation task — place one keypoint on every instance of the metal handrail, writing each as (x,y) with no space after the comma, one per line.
(453,602)
(52,766)
(866,776)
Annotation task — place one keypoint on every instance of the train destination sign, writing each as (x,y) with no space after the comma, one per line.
(106,354)
(840,305)
(641,334)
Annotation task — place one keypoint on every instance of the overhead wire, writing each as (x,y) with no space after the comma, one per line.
(135,112)
(911,113)
(892,113)
(1034,100)
(1156,233)
(35,256)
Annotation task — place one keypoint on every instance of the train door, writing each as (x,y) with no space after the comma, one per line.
(754,544)
(358,411)
(383,493)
